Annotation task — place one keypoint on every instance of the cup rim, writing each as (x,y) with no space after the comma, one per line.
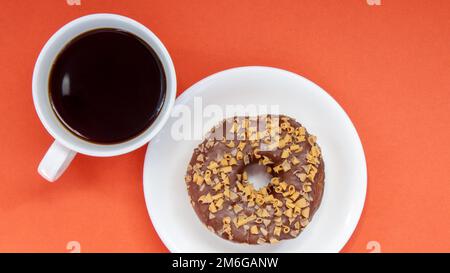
(94,149)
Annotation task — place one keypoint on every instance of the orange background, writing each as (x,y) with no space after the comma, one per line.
(388,66)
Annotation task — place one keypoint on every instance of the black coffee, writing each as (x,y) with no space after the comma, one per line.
(107,86)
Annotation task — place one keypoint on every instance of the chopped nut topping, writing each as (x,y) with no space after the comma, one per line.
(198,179)
(213,165)
(296,148)
(212,208)
(312,159)
(205,199)
(188,178)
(219,203)
(266,160)
(226,169)
(241,145)
(233,195)
(295,160)
(207,176)
(226,220)
(307,188)
(277,203)
(278,168)
(291,189)
(286,166)
(295,196)
(287,138)
(304,222)
(233,161)
(290,204)
(275,180)
(237,208)
(263,231)
(254,230)
(312,139)
(263,191)
(259,201)
(246,159)
(285,153)
(230,144)
(217,196)
(201,158)
(248,190)
(301,176)
(256,153)
(245,176)
(239,155)
(277,231)
(300,131)
(288,212)
(242,220)
(261,241)
(225,179)
(278,212)
(273,241)
(305,212)
(307,168)
(315,151)
(234,127)
(301,203)
(262,213)
(218,186)
(278,189)
(224,162)
(300,138)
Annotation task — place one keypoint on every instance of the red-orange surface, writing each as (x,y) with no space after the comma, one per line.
(388,66)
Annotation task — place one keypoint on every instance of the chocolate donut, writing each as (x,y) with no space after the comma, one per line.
(230,206)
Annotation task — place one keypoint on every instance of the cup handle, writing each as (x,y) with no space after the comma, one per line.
(55,161)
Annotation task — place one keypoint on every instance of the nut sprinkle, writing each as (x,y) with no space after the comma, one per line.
(228,203)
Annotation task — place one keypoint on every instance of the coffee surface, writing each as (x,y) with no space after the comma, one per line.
(107,86)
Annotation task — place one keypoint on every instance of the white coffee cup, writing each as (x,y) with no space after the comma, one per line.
(66,144)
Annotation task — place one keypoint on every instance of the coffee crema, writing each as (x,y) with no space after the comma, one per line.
(107,86)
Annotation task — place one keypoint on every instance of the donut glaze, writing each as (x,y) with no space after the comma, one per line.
(229,205)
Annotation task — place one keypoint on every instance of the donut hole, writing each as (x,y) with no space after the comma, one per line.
(258,176)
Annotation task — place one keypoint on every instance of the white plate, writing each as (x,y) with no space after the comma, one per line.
(345,166)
